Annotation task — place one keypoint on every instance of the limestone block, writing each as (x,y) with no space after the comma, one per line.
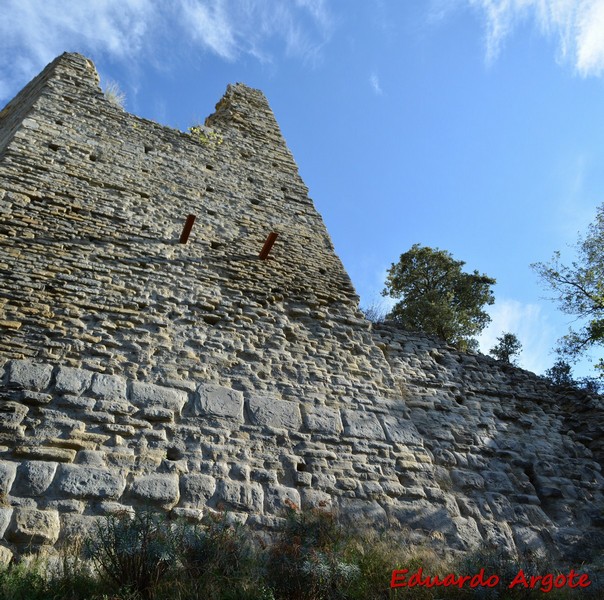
(116,407)
(6,512)
(148,395)
(499,535)
(464,534)
(34,477)
(50,453)
(529,541)
(11,414)
(274,413)
(362,512)
(28,375)
(108,387)
(88,482)
(8,471)
(278,498)
(362,424)
(240,496)
(66,505)
(501,507)
(321,419)
(156,414)
(33,526)
(72,381)
(74,526)
(497,481)
(196,489)
(467,480)
(218,401)
(312,498)
(6,556)
(34,398)
(192,515)
(402,431)
(90,458)
(303,479)
(160,489)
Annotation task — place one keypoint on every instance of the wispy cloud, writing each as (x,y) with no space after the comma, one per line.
(33,32)
(530,325)
(374,81)
(578,26)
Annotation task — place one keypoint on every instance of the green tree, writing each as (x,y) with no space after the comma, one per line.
(579,290)
(437,297)
(507,348)
(560,373)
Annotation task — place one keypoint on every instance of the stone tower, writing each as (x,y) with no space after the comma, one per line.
(195,377)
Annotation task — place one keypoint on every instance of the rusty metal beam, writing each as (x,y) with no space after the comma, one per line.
(184,236)
(270,240)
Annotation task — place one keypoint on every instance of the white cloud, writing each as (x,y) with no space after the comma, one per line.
(374,81)
(530,325)
(578,26)
(33,32)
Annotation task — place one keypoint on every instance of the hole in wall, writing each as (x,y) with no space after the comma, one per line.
(300,467)
(209,189)
(255,201)
(59,122)
(148,149)
(210,167)
(93,157)
(54,147)
(322,270)
(215,245)
(174,453)
(211,212)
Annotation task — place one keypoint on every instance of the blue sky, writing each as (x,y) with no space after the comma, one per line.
(474,126)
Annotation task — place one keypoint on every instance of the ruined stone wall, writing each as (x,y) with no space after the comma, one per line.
(196,377)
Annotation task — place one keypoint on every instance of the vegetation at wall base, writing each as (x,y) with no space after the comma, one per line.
(313,556)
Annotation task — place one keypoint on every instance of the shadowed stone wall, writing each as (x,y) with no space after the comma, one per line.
(196,377)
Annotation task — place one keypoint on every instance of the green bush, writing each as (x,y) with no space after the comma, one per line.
(309,560)
(135,553)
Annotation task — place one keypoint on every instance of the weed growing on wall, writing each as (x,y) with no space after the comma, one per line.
(205,136)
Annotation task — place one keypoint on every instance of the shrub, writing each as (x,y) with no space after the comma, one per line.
(135,553)
(308,561)
(115,95)
(221,559)
(23,582)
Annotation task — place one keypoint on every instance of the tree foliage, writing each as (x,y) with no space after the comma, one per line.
(579,290)
(437,297)
(507,348)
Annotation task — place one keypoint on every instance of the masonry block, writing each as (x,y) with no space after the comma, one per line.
(32,526)
(8,471)
(196,489)
(402,431)
(28,375)
(322,419)
(34,477)
(88,482)
(239,496)
(157,489)
(279,498)
(362,424)
(70,380)
(108,387)
(218,401)
(274,413)
(148,395)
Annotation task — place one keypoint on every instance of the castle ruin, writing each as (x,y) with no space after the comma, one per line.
(194,377)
